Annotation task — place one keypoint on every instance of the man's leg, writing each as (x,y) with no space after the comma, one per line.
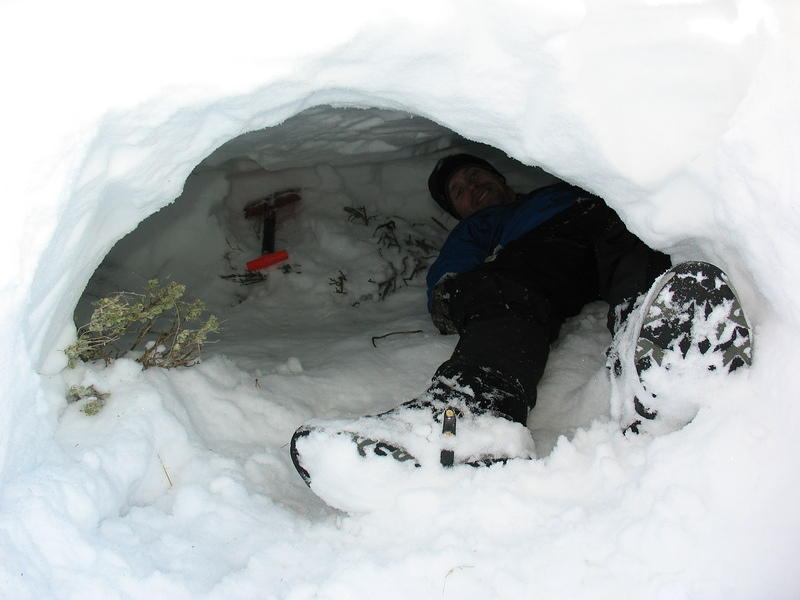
(509,310)
(626,267)
(505,333)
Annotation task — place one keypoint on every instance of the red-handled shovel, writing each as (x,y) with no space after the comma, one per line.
(266,209)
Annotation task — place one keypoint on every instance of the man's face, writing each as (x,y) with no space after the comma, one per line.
(472,188)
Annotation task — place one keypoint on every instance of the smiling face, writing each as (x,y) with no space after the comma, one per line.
(472,188)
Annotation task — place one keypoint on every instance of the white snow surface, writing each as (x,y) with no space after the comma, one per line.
(681,114)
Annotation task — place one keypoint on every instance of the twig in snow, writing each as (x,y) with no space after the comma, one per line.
(379,337)
(165,469)
(451,571)
(439,223)
(358,213)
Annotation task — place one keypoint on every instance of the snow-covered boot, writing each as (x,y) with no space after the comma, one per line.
(690,323)
(352,463)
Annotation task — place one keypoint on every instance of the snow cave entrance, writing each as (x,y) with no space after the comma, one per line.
(367,166)
(353,213)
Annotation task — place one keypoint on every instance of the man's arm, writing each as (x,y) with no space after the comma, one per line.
(463,251)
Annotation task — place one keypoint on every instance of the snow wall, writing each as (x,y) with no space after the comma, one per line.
(683,115)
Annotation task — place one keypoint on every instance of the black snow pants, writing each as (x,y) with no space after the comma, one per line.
(509,310)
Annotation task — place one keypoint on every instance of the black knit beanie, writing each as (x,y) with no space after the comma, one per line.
(437,182)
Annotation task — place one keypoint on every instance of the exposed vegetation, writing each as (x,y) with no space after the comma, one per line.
(165,330)
(405,249)
(95,400)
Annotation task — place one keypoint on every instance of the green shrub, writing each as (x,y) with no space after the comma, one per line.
(168,331)
(95,400)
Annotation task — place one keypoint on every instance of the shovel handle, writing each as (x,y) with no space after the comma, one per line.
(262,262)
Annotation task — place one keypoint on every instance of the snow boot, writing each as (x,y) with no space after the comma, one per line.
(352,462)
(690,322)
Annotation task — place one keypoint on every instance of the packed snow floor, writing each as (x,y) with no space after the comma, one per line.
(182,485)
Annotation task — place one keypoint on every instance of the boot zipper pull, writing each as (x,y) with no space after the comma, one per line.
(448,429)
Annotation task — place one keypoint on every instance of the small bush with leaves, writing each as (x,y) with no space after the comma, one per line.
(95,400)
(168,331)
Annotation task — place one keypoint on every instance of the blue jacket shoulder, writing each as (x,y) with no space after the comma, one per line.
(477,237)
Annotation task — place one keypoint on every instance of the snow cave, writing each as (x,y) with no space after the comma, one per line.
(681,115)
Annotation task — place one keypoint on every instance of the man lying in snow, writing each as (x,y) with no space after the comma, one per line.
(511,272)
(515,268)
